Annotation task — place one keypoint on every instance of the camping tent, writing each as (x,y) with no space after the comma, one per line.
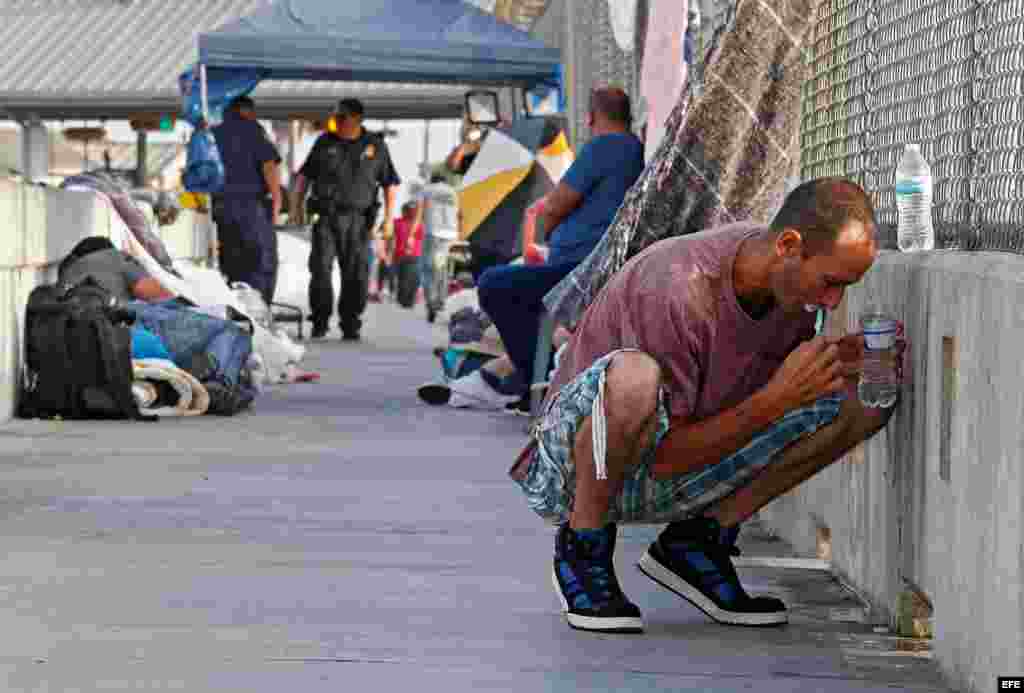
(425,41)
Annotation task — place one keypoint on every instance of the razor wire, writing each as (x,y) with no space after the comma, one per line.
(947,74)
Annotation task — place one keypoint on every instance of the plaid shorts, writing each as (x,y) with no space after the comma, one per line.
(549,478)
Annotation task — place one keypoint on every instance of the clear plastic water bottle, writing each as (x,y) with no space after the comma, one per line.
(914,201)
(879,385)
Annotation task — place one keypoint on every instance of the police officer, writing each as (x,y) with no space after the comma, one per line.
(244,217)
(345,167)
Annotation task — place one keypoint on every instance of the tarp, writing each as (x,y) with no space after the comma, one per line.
(409,41)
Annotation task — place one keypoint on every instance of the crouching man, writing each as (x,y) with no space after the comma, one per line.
(695,391)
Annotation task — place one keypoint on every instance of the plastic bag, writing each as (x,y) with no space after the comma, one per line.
(223,85)
(253,304)
(204,171)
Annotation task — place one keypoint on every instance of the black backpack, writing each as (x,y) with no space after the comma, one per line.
(77,354)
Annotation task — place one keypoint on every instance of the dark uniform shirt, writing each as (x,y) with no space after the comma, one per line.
(348,172)
(244,148)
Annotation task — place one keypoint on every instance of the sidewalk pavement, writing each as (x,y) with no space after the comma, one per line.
(344,537)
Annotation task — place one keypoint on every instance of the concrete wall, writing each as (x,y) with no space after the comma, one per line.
(934,500)
(40,226)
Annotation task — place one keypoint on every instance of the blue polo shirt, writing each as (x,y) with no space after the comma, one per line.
(605,169)
(244,148)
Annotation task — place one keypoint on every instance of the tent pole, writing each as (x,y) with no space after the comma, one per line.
(203,93)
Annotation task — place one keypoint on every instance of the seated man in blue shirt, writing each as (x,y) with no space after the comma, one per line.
(576,215)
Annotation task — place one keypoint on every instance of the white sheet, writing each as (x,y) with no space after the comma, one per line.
(206,287)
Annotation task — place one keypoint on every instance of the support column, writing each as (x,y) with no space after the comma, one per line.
(425,167)
(34,159)
(569,74)
(293,142)
(283,141)
(141,158)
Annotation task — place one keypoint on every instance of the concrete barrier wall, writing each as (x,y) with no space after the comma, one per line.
(934,501)
(39,226)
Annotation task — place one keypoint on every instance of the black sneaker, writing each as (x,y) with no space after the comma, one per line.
(350,337)
(584,577)
(319,332)
(520,407)
(435,393)
(690,559)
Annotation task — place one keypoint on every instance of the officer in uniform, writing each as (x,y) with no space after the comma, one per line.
(345,168)
(242,212)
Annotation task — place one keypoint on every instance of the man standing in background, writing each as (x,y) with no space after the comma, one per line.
(441,225)
(576,215)
(346,168)
(245,220)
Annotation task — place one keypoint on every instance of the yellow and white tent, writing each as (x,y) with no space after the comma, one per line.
(517,165)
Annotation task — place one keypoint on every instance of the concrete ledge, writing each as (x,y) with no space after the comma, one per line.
(933,503)
(39,227)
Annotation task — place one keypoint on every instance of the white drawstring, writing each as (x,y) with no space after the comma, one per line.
(599,431)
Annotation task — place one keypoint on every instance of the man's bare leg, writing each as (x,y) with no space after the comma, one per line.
(501,367)
(802,460)
(631,401)
(584,571)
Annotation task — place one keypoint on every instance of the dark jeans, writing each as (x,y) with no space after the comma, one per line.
(408,281)
(248,243)
(342,237)
(386,278)
(482,260)
(512,295)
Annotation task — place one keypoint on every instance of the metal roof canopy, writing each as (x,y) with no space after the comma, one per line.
(113,60)
(272,101)
(432,41)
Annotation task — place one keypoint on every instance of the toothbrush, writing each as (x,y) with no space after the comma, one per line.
(819,322)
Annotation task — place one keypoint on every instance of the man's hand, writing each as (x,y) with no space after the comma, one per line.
(810,372)
(387,228)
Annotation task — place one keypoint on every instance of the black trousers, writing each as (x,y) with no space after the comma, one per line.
(248,243)
(408,281)
(343,236)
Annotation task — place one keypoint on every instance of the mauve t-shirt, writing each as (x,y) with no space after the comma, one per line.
(675,301)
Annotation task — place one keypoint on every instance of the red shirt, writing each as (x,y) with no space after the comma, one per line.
(402,228)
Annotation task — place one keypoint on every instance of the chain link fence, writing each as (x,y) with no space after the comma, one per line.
(948,74)
(597,60)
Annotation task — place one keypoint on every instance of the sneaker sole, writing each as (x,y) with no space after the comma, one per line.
(468,400)
(652,568)
(626,624)
(435,393)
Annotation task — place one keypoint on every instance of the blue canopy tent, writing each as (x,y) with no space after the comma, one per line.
(409,41)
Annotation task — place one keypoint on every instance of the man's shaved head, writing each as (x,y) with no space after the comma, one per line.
(819,209)
(612,103)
